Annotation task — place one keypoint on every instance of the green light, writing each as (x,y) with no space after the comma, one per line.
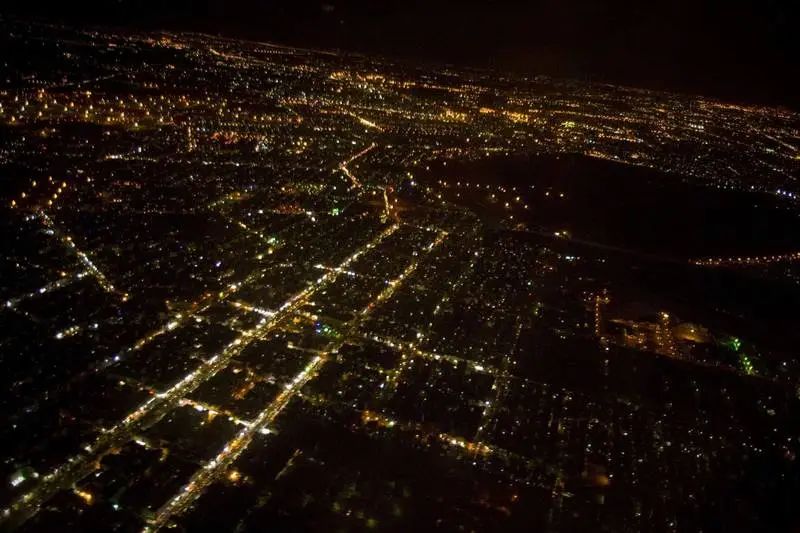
(335,211)
(746,365)
(327,331)
(734,344)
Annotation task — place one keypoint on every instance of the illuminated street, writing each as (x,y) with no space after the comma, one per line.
(250,286)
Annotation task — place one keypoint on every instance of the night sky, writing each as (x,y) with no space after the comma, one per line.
(738,50)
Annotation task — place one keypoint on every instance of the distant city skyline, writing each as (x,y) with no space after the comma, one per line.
(741,51)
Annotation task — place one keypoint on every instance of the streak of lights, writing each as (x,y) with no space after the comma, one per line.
(414,350)
(220,464)
(747,261)
(91,267)
(233,449)
(253,309)
(199,406)
(68,332)
(474,448)
(387,205)
(337,269)
(87,497)
(343,165)
(79,466)
(251,231)
(500,385)
(203,407)
(356,182)
(365,122)
(600,300)
(52,286)
(392,286)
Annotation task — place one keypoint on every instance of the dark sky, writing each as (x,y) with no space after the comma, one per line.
(739,50)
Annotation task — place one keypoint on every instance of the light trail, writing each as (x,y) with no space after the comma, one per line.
(175,321)
(199,406)
(387,204)
(387,208)
(365,122)
(414,350)
(362,153)
(50,287)
(392,285)
(475,448)
(157,406)
(216,467)
(500,385)
(343,166)
(353,179)
(253,232)
(747,261)
(253,309)
(233,449)
(409,349)
(90,266)
(178,319)
(203,407)
(200,305)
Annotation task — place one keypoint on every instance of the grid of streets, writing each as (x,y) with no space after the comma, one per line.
(245,278)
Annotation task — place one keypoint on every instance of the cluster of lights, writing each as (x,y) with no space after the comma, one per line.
(130,111)
(90,266)
(68,332)
(747,261)
(73,469)
(63,281)
(343,165)
(35,192)
(233,449)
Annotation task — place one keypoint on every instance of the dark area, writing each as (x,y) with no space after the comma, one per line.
(741,50)
(627,207)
